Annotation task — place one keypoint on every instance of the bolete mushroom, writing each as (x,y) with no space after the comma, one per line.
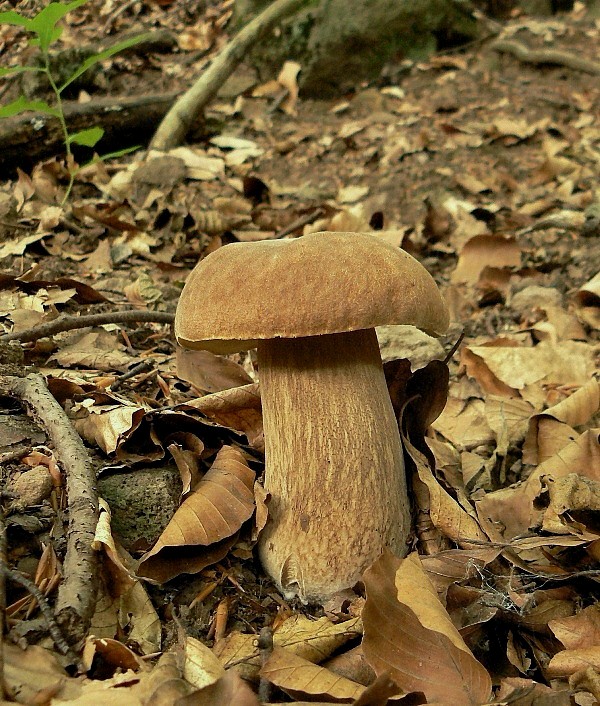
(334,463)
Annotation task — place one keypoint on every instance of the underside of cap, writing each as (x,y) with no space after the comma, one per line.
(318,284)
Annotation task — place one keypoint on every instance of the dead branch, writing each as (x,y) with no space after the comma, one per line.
(69,323)
(546,56)
(180,118)
(126,121)
(76,599)
(3,567)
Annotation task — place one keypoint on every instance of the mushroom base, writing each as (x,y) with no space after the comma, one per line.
(334,463)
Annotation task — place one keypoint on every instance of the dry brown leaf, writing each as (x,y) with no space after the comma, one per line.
(588,302)
(508,420)
(525,692)
(550,431)
(127,604)
(204,528)
(580,630)
(229,689)
(464,424)
(571,497)
(200,668)
(313,640)
(446,514)
(561,363)
(409,634)
(239,408)
(568,662)
(95,349)
(299,678)
(478,369)
(510,512)
(485,251)
(456,565)
(208,372)
(112,653)
(288,79)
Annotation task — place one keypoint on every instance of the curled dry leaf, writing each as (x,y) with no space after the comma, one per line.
(201,667)
(238,408)
(588,301)
(446,514)
(572,498)
(513,508)
(127,604)
(205,527)
(409,634)
(299,678)
(164,684)
(577,409)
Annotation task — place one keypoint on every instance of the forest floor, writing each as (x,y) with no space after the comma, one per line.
(483,167)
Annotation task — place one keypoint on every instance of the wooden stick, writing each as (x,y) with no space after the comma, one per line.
(180,118)
(546,56)
(77,593)
(69,323)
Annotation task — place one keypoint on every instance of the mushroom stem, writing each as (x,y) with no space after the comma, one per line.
(334,463)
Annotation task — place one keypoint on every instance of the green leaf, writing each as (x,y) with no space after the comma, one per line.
(22,105)
(101,56)
(87,138)
(118,153)
(18,70)
(13,18)
(44,23)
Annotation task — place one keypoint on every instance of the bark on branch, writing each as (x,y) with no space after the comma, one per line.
(70,323)
(76,599)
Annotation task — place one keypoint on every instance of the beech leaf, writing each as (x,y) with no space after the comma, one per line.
(205,526)
(409,634)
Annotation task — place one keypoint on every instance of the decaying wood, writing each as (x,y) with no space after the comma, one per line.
(334,462)
(126,121)
(546,56)
(180,118)
(77,592)
(70,323)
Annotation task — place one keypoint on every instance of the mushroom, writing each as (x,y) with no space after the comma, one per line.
(334,461)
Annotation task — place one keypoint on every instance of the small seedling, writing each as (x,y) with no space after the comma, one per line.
(46,30)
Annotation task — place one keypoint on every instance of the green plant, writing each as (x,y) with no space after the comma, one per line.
(46,30)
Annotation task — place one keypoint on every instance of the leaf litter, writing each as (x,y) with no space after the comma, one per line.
(484,169)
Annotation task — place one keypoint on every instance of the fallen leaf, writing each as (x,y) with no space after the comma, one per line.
(209,372)
(204,528)
(409,634)
(300,678)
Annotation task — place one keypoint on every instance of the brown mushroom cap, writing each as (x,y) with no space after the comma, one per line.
(318,284)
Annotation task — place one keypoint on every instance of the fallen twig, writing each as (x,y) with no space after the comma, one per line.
(143,367)
(61,644)
(180,118)
(299,222)
(546,56)
(3,691)
(76,599)
(69,323)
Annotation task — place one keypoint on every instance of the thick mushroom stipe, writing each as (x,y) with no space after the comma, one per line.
(334,463)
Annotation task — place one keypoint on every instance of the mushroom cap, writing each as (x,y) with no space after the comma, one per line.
(317,284)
